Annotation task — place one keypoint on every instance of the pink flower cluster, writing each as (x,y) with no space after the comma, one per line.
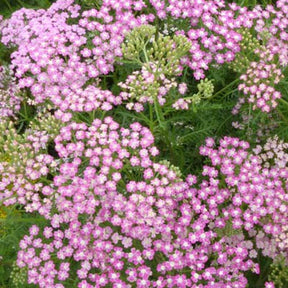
(261,77)
(10,99)
(128,220)
(274,31)
(216,38)
(25,166)
(257,85)
(258,193)
(212,30)
(273,153)
(22,177)
(53,59)
(57,60)
(181,104)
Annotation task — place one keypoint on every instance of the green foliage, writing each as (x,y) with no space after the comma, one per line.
(14,224)
(18,275)
(4,54)
(90,3)
(279,273)
(252,3)
(7,7)
(258,281)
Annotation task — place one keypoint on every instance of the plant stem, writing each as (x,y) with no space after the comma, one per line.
(159,113)
(283,101)
(21,3)
(146,119)
(9,6)
(151,118)
(223,89)
(282,116)
(249,115)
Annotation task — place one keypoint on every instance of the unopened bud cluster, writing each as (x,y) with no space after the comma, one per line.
(279,272)
(13,148)
(142,45)
(18,276)
(159,57)
(249,46)
(137,40)
(173,168)
(146,86)
(47,126)
(205,91)
(23,161)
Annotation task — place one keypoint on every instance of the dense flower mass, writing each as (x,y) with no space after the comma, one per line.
(53,61)
(57,60)
(25,164)
(172,221)
(91,155)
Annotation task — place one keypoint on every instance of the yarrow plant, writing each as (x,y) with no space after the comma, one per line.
(118,227)
(145,143)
